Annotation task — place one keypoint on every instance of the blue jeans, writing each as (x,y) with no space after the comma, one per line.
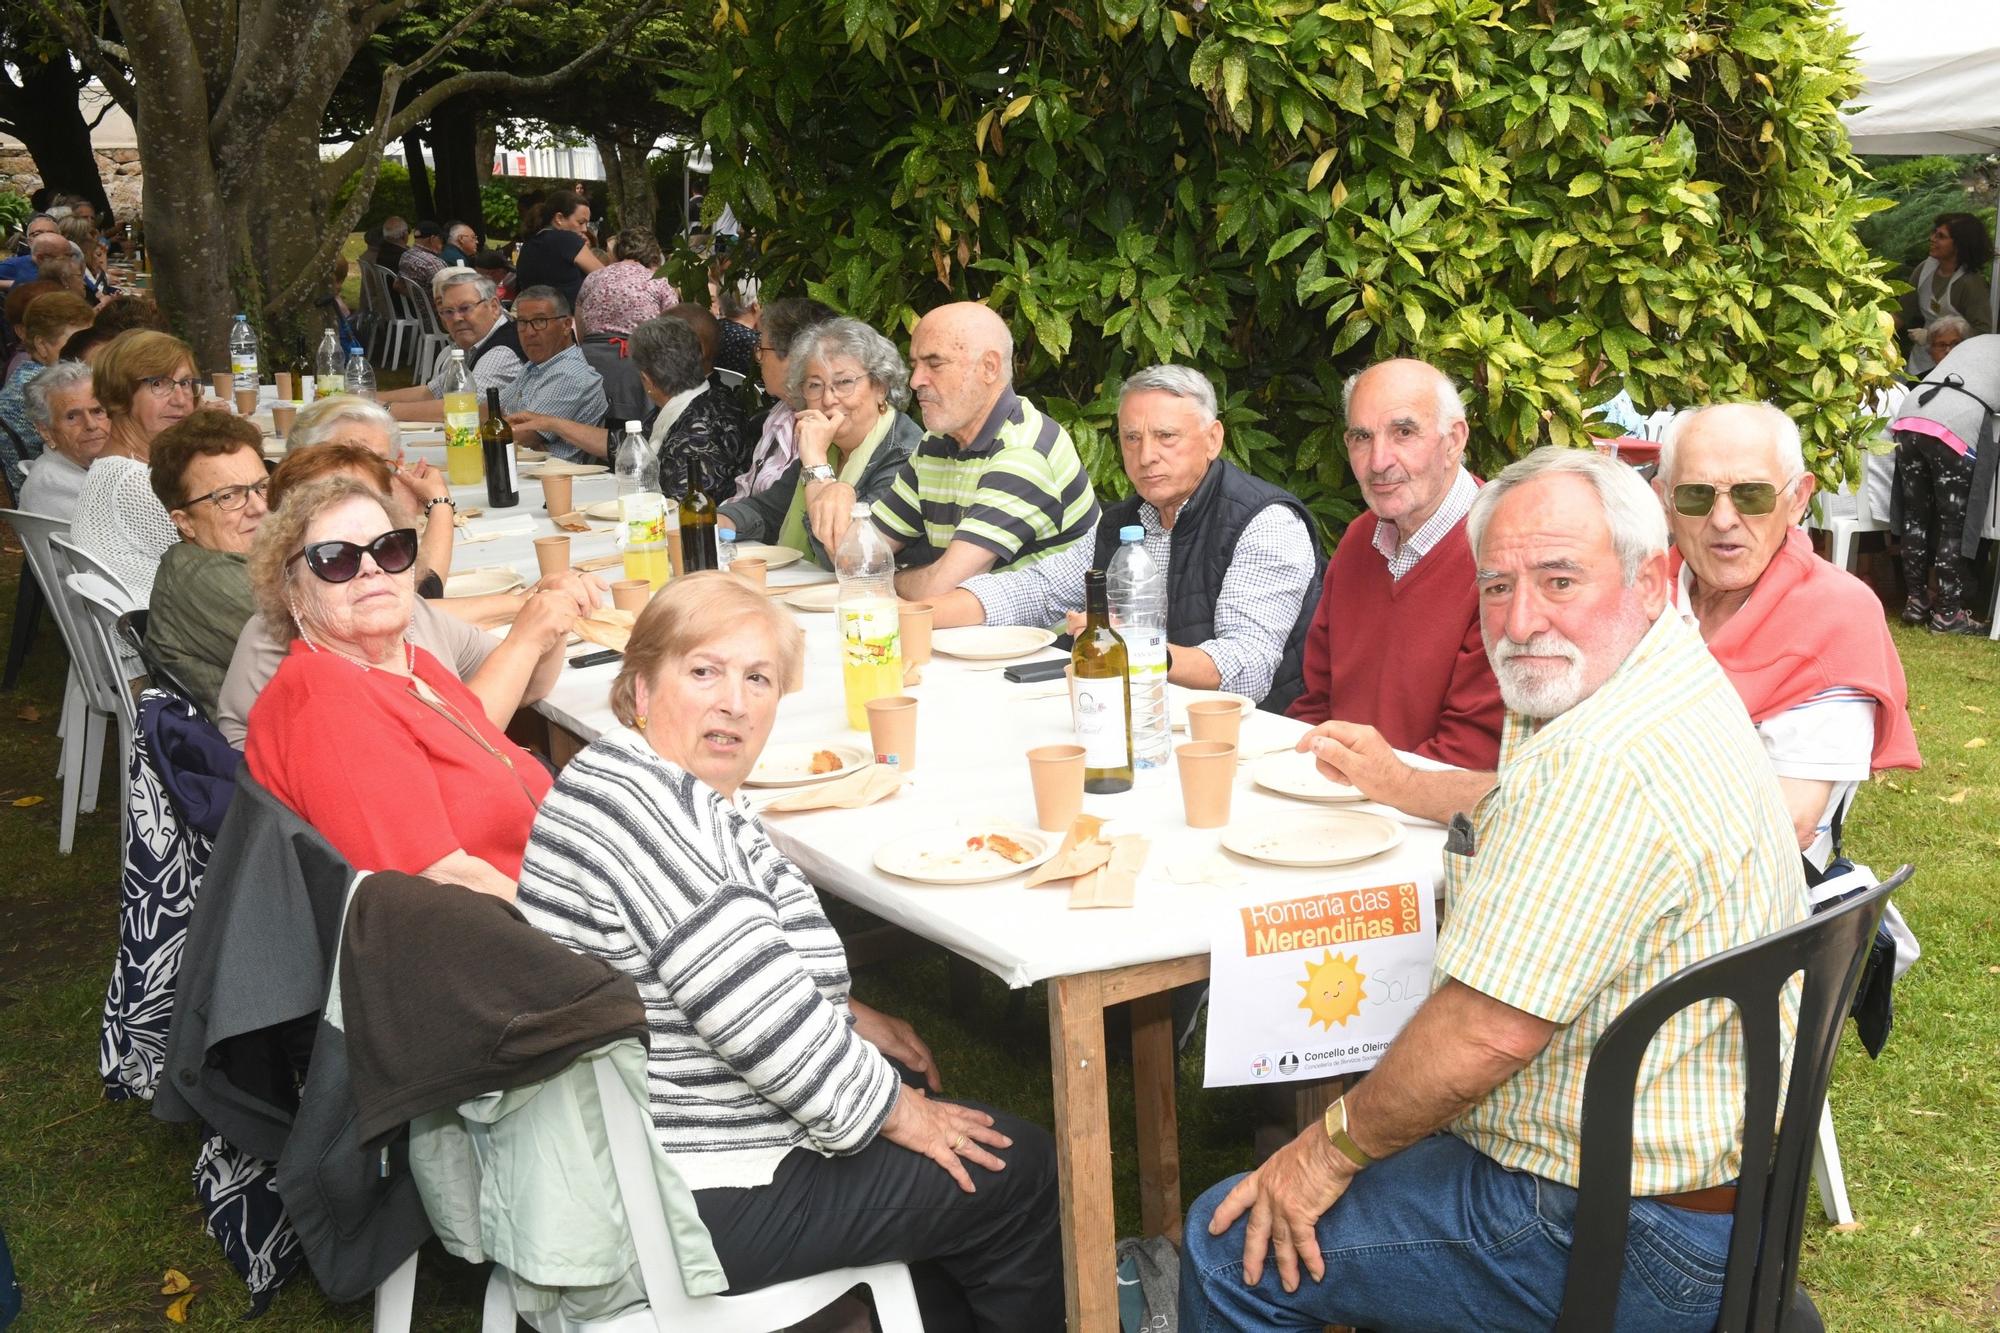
(1442,1237)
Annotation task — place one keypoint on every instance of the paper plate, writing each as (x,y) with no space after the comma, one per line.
(791,765)
(481,582)
(1325,838)
(819,597)
(774,557)
(1297,775)
(604,509)
(942,856)
(1178,700)
(556,467)
(990,643)
(523,454)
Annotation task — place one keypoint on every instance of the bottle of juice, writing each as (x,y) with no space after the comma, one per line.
(330,367)
(642,511)
(870,621)
(464,452)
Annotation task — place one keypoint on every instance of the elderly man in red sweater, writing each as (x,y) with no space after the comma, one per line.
(1394,646)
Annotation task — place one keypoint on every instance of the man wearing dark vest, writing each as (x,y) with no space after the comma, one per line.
(1394,647)
(1243,567)
(469,308)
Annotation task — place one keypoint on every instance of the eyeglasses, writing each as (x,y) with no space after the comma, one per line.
(839,388)
(540,322)
(338,562)
(461,311)
(1749,498)
(165,386)
(229,499)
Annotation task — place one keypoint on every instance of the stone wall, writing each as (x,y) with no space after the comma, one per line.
(124,183)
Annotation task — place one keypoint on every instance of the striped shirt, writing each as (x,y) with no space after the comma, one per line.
(750,1050)
(566,387)
(1018,490)
(1255,608)
(1403,555)
(1622,842)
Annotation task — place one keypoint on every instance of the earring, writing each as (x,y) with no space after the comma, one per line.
(298,623)
(639,723)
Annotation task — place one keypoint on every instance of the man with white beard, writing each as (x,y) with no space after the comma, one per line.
(1633,828)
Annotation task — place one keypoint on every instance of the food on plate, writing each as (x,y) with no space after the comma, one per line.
(826,761)
(1002,845)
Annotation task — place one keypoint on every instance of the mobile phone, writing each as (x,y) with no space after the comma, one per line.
(597,658)
(1023,672)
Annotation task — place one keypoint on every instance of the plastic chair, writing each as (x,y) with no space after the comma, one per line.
(107,683)
(432,340)
(38,534)
(669,1308)
(393,324)
(1759,1293)
(130,635)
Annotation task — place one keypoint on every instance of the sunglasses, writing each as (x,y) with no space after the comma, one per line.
(338,562)
(1750,498)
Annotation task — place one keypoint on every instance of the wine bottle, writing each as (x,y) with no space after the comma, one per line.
(496,437)
(1102,687)
(697,526)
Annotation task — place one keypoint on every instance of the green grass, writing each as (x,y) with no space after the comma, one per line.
(95,1201)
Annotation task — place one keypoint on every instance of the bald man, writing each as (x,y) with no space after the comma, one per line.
(1394,647)
(995,484)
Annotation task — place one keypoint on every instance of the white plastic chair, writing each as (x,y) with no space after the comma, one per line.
(394,325)
(107,676)
(37,532)
(669,1308)
(432,340)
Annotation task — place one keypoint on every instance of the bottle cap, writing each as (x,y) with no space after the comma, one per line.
(631,427)
(1131,532)
(726,534)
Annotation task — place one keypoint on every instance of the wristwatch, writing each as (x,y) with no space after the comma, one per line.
(823,472)
(1343,1142)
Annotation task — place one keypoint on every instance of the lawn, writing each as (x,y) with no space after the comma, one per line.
(94,1196)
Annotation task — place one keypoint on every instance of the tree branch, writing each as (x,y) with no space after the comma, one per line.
(68,19)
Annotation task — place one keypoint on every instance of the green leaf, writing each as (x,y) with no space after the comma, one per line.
(1585,184)
(1289,242)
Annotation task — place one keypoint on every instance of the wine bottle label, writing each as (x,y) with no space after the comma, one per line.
(513,469)
(1100,723)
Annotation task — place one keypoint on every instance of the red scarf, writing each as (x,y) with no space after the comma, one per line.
(1806,628)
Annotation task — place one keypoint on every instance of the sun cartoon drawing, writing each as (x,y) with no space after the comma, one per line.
(1333,990)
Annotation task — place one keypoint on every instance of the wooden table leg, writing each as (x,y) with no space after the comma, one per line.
(563,745)
(1153,1076)
(1083,1152)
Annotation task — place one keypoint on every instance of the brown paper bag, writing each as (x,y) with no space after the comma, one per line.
(1114,884)
(855,790)
(1082,851)
(607,627)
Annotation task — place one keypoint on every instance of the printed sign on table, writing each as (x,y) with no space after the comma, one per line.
(1311,986)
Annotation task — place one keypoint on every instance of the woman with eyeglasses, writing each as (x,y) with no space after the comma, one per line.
(208,472)
(366,736)
(145,382)
(851,384)
(778,326)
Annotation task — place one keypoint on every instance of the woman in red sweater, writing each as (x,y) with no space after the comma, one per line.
(367,737)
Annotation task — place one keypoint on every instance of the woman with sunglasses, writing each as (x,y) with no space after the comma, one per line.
(368,737)
(145,382)
(208,471)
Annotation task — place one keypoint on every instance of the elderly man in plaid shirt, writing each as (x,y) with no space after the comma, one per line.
(1635,828)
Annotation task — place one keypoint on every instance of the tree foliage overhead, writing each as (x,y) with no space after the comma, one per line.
(1549,200)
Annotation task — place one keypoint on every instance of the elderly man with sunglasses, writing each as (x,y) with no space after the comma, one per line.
(469,308)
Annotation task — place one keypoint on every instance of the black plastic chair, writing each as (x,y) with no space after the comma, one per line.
(1831,948)
(132,635)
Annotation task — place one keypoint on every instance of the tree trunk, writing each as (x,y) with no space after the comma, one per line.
(625,153)
(458,171)
(285,229)
(46,116)
(420,177)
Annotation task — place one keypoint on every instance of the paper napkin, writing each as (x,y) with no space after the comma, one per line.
(865,787)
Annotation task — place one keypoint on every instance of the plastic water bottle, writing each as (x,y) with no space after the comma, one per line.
(725,547)
(870,621)
(243,354)
(642,511)
(1138,589)
(360,376)
(329,367)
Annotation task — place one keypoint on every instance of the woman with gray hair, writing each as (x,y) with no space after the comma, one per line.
(852,384)
(696,429)
(63,407)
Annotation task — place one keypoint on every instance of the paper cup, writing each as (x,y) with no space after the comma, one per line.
(673,542)
(224,385)
(1215,720)
(283,379)
(915,630)
(631,594)
(246,402)
(1057,772)
(1208,779)
(556,494)
(281,418)
(892,729)
(751,571)
(552,554)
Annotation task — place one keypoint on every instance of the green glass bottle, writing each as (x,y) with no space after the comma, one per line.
(1102,687)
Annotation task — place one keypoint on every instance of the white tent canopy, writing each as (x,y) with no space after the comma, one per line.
(1932,72)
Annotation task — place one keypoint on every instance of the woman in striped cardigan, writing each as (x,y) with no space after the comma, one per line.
(800,1117)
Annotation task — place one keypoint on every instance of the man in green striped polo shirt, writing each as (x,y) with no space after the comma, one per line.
(995,484)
